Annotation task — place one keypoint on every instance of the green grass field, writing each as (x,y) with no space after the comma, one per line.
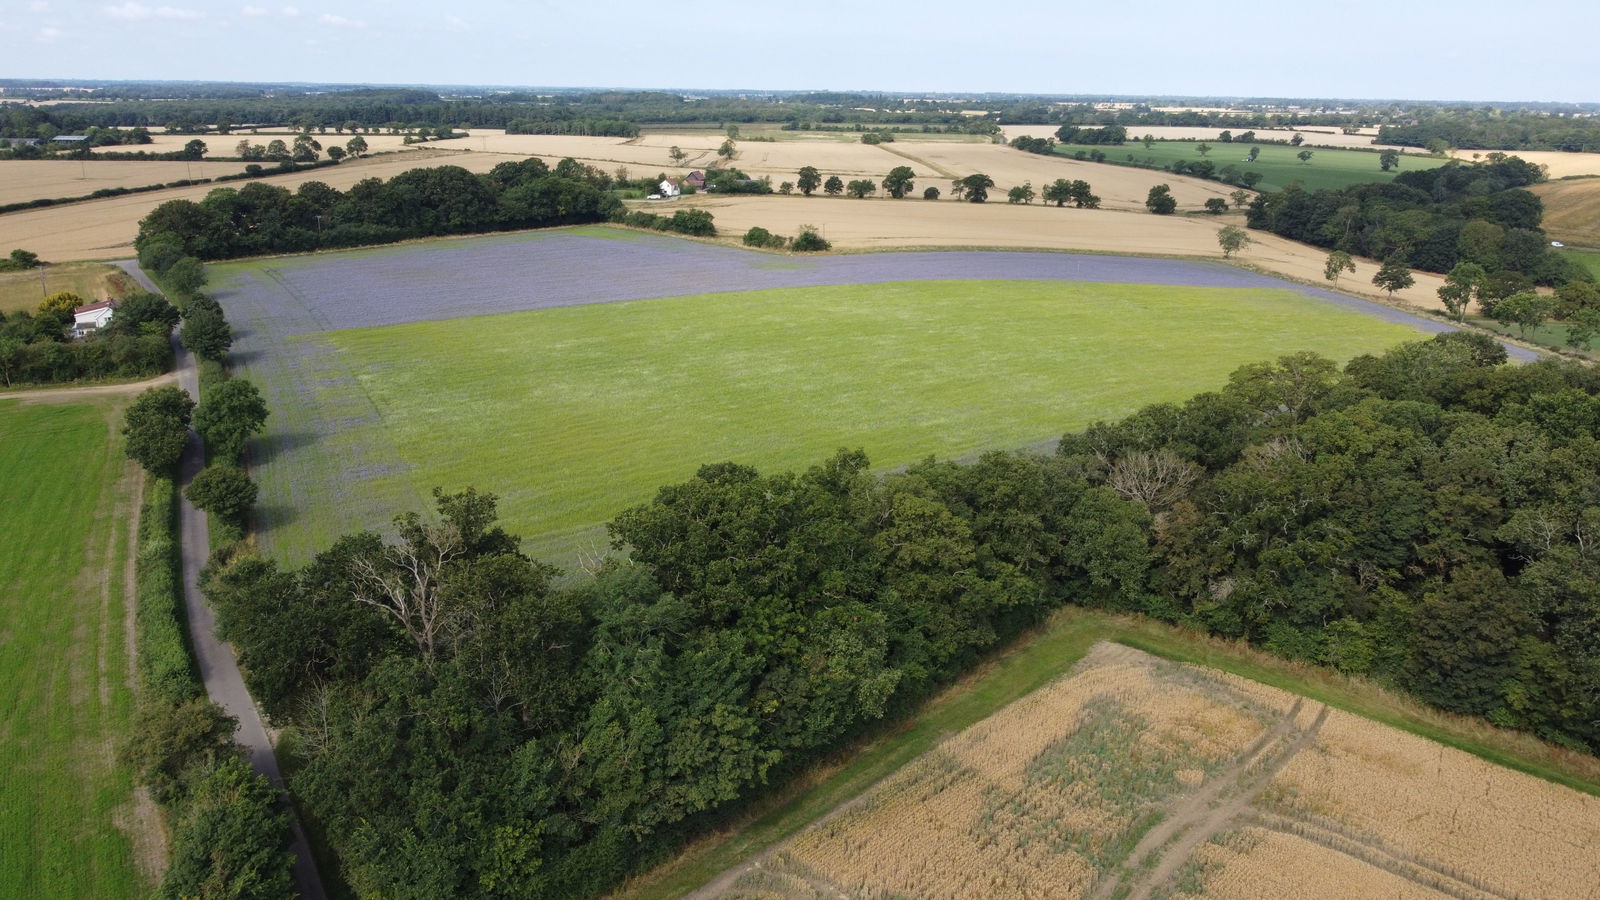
(1590,259)
(1278,165)
(65,698)
(572,415)
(1034,661)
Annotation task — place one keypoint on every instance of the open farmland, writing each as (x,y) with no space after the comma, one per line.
(1572,210)
(105,229)
(1556,163)
(1313,137)
(1139,777)
(1278,165)
(225,144)
(387,376)
(883,224)
(33,179)
(1119,188)
(91,281)
(69,823)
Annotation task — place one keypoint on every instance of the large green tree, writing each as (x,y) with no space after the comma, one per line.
(1393,275)
(156,426)
(899,181)
(1160,200)
(808,179)
(975,187)
(229,413)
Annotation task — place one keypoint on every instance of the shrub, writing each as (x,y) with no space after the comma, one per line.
(808,241)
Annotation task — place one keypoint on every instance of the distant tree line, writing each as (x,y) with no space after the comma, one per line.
(1431,219)
(1424,518)
(1474,130)
(261,218)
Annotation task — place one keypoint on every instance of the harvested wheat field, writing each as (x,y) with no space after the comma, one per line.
(226,144)
(1572,210)
(1556,164)
(1119,187)
(1313,138)
(880,224)
(781,160)
(91,281)
(604,152)
(35,179)
(1137,777)
(105,229)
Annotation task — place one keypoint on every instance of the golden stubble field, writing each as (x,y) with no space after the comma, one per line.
(1572,210)
(34,179)
(1312,137)
(1137,777)
(882,224)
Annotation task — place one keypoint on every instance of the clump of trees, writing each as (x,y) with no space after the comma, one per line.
(261,218)
(1422,518)
(1077,192)
(693,222)
(1432,219)
(37,347)
(1160,200)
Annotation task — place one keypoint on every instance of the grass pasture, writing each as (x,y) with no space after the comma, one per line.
(1327,168)
(1134,775)
(573,414)
(68,818)
(91,281)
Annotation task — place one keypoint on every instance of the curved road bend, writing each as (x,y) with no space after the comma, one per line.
(218,669)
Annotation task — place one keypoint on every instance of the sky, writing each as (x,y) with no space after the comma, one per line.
(1470,50)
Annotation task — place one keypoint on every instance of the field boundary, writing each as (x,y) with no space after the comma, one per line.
(1037,658)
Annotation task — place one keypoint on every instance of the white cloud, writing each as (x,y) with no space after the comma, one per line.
(38,6)
(291,11)
(340,21)
(456,23)
(138,12)
(254,11)
(48,34)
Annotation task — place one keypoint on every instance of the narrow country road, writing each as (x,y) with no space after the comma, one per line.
(218,669)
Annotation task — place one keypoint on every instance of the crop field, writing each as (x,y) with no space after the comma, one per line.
(1135,776)
(105,229)
(69,823)
(1572,210)
(387,374)
(92,281)
(1119,188)
(883,224)
(33,179)
(1556,163)
(1278,164)
(1313,137)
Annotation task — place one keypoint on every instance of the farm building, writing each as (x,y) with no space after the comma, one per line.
(93,317)
(696,180)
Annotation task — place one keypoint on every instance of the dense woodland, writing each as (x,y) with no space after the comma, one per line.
(260,218)
(1425,518)
(1430,219)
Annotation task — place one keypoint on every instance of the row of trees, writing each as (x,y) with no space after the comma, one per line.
(261,218)
(1421,518)
(1430,219)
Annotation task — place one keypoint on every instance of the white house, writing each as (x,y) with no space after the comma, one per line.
(668,189)
(90,319)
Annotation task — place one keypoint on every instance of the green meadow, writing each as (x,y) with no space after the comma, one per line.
(571,415)
(1278,164)
(65,698)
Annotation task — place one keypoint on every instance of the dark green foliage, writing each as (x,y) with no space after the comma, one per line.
(19,260)
(166,673)
(230,840)
(172,744)
(156,426)
(228,414)
(205,331)
(809,241)
(1160,201)
(261,218)
(760,237)
(224,491)
(1423,518)
(1433,218)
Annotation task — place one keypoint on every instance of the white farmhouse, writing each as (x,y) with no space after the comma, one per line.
(668,189)
(90,319)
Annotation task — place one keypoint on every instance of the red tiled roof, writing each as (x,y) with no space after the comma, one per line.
(94,307)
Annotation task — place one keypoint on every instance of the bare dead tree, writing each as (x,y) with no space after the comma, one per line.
(405,581)
(1158,478)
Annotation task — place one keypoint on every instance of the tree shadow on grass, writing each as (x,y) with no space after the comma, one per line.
(265,449)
